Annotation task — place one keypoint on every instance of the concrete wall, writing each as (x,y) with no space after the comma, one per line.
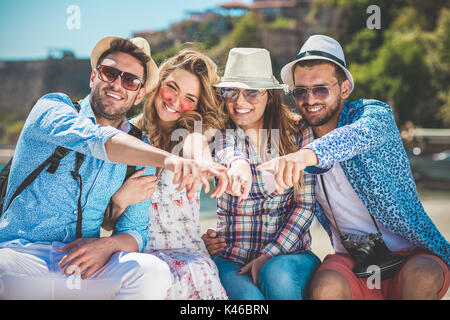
(23,82)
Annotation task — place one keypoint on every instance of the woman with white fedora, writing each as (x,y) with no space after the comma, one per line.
(262,246)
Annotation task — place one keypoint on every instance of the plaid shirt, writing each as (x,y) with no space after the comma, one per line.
(265,223)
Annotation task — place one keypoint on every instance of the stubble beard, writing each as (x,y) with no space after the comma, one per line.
(98,107)
(331,111)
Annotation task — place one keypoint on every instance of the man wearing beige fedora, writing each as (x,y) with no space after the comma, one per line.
(386,246)
(49,229)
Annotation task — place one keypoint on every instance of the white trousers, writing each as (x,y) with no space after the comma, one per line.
(30,271)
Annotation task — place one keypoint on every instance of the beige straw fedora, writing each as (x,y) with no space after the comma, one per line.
(249,68)
(152,70)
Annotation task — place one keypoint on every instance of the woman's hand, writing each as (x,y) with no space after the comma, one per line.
(254,267)
(135,189)
(190,173)
(213,243)
(239,179)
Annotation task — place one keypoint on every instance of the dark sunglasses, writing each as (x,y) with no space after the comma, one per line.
(232,94)
(319,92)
(129,81)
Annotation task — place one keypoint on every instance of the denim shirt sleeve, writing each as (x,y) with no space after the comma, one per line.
(54,119)
(134,221)
(371,123)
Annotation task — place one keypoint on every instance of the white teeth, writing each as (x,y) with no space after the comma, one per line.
(115,96)
(314,109)
(242,110)
(170,110)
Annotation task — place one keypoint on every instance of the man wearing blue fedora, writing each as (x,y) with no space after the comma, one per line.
(386,246)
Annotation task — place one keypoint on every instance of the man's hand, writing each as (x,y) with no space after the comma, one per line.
(287,169)
(188,173)
(254,267)
(135,189)
(87,255)
(239,179)
(214,244)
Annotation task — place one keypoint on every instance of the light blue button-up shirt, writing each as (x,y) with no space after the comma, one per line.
(46,210)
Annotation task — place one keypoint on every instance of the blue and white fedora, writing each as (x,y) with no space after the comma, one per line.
(317,47)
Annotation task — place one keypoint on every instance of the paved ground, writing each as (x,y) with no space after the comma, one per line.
(436,204)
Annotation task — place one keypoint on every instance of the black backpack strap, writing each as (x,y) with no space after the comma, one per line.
(77,106)
(4,177)
(53,160)
(77,177)
(57,155)
(137,133)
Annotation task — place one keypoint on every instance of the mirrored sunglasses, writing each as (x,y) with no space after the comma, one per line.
(252,96)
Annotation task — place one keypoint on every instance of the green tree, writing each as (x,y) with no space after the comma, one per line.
(247,32)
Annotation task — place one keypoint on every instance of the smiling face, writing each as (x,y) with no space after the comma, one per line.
(319,112)
(247,115)
(110,101)
(178,93)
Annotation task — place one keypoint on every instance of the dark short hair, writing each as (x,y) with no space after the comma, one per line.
(128,47)
(338,72)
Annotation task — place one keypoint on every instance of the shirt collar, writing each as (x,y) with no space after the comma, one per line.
(86,111)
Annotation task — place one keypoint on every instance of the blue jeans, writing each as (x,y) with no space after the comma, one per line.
(283,277)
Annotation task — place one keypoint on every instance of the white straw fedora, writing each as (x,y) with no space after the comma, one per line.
(104,44)
(249,68)
(317,47)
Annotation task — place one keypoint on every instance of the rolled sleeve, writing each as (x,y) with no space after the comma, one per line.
(134,221)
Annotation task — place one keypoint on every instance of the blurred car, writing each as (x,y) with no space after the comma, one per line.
(430,167)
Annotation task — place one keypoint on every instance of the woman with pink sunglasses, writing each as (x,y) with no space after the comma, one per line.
(184,98)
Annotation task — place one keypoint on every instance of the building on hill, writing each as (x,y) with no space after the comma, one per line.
(270,10)
(204,16)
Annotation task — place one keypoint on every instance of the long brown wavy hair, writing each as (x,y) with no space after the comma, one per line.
(210,109)
(278,116)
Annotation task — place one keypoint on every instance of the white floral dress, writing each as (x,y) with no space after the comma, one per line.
(175,237)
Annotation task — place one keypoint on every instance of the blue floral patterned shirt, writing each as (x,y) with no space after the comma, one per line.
(46,210)
(369,148)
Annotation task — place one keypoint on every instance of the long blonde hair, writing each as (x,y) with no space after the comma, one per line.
(210,109)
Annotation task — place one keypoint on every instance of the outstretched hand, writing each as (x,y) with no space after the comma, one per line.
(287,169)
(239,179)
(190,173)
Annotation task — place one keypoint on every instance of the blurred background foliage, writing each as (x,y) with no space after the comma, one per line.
(406,63)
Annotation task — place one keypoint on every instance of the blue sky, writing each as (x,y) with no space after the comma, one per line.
(28,28)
